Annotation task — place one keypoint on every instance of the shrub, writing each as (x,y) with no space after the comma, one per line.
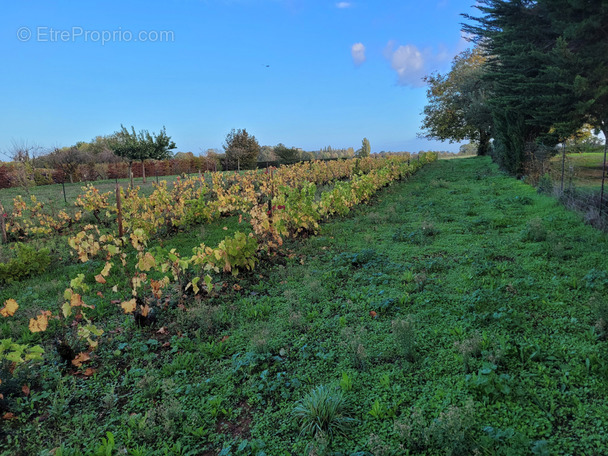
(29,261)
(545,184)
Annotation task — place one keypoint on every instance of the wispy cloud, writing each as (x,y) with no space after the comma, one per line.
(357,50)
(343,5)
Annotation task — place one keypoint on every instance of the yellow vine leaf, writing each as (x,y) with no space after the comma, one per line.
(146,262)
(106,269)
(129,306)
(66,309)
(40,323)
(76,300)
(9,309)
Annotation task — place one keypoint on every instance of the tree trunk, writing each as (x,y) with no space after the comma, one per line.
(131,173)
(143,170)
(563,165)
(484,144)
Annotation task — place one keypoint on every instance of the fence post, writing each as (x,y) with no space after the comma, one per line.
(65,198)
(3,225)
(119,208)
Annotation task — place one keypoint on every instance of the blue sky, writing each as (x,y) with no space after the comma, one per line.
(307,73)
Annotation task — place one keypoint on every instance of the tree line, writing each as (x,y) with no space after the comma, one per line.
(536,77)
(107,156)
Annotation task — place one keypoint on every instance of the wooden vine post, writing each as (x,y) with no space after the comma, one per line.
(3,225)
(119,209)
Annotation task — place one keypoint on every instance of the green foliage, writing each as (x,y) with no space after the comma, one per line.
(545,184)
(141,146)
(286,155)
(28,262)
(323,412)
(458,107)
(365,150)
(19,353)
(242,150)
(545,63)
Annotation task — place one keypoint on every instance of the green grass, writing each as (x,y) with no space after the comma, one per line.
(52,195)
(459,312)
(584,169)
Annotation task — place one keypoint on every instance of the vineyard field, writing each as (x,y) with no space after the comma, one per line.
(448,310)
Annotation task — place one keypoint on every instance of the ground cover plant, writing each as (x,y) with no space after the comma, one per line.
(458,312)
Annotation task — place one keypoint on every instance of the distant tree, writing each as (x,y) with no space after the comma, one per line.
(241,149)
(286,154)
(365,149)
(212,158)
(24,155)
(468,149)
(140,146)
(457,106)
(66,159)
(267,154)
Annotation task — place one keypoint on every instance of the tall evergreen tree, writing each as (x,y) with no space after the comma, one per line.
(242,150)
(516,35)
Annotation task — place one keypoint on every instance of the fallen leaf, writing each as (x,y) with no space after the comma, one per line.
(89,371)
(8,416)
(81,358)
(225,228)
(162,330)
(26,390)
(40,323)
(224,339)
(373,314)
(145,310)
(100,294)
(9,309)
(106,270)
(129,306)
(76,300)
(236,287)
(99,279)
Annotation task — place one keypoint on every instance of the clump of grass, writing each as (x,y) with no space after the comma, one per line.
(209,319)
(354,345)
(260,340)
(535,231)
(468,349)
(404,332)
(323,412)
(450,432)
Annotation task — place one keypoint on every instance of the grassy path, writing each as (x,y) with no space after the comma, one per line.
(459,313)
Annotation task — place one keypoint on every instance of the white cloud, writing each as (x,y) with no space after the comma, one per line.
(358,52)
(409,63)
(412,64)
(343,5)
